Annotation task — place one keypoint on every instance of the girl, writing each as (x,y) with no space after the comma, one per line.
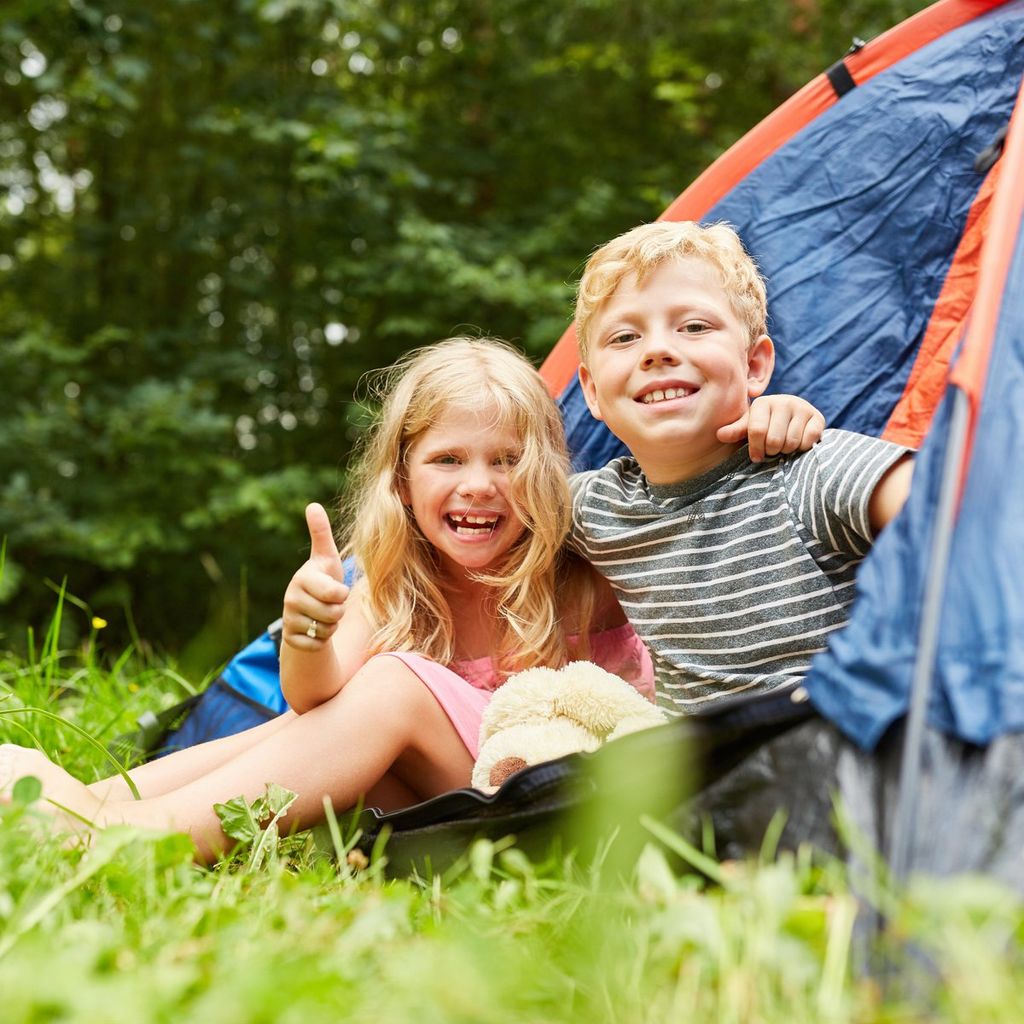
(458,519)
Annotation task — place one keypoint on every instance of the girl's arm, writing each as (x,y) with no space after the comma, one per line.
(608,613)
(776,425)
(628,658)
(325,634)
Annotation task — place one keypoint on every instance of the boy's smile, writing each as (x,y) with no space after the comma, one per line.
(458,486)
(670,362)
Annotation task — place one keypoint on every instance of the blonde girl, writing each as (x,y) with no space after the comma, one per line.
(457,521)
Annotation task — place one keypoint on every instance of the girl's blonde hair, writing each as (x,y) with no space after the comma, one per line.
(405,602)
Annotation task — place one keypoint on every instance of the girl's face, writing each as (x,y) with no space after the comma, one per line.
(457,484)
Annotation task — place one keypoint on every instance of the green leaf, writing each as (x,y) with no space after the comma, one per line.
(255,821)
(27,790)
(238,819)
(278,799)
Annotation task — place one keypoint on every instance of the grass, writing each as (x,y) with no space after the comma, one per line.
(131,930)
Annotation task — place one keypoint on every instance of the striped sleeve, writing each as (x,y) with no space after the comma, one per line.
(578,484)
(830,487)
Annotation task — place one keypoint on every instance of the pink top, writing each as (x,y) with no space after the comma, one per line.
(464,689)
(618,650)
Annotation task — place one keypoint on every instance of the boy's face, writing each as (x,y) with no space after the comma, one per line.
(669,363)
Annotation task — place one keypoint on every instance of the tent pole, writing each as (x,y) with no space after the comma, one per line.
(905,821)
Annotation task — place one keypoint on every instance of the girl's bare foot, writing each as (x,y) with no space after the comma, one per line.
(67,800)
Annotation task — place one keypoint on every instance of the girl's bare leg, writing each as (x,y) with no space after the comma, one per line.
(173,771)
(390,794)
(384,722)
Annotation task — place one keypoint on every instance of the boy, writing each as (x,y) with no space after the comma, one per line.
(733,572)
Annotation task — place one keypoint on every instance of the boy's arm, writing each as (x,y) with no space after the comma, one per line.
(890,493)
(776,425)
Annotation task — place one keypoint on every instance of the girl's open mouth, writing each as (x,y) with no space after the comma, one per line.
(472,525)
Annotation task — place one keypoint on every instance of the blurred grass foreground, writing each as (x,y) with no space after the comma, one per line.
(131,930)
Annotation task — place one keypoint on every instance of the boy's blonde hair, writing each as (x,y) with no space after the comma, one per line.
(645,248)
(405,603)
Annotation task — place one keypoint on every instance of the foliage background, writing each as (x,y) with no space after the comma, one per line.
(215,215)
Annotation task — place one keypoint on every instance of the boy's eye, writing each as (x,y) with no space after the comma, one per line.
(622,337)
(695,327)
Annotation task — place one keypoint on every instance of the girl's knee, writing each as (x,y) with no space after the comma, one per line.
(384,670)
(389,678)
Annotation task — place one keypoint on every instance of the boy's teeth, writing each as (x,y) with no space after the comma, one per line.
(660,395)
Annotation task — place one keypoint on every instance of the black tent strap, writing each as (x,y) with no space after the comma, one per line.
(841,79)
(839,74)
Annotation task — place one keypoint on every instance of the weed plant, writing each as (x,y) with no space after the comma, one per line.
(130,929)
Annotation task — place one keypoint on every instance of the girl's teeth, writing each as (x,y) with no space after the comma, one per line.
(473,526)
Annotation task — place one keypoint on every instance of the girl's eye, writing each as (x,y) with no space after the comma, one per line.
(446,460)
(508,460)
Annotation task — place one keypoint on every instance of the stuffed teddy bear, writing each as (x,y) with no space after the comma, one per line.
(545,713)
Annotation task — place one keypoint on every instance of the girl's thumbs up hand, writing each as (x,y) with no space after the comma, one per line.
(315,599)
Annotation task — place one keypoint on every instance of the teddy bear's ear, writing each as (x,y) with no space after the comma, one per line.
(597,699)
(505,769)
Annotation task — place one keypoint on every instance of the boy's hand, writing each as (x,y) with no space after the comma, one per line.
(776,425)
(315,599)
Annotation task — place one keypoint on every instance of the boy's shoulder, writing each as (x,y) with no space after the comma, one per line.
(621,471)
(837,445)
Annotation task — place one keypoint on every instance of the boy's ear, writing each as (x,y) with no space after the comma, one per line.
(760,364)
(589,392)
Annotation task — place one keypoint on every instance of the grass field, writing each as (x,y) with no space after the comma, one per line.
(130,930)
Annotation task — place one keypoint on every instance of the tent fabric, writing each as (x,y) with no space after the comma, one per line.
(927,381)
(978,684)
(868,223)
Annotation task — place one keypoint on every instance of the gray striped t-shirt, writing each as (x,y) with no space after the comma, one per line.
(735,579)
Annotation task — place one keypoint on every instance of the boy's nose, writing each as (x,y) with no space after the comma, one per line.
(658,350)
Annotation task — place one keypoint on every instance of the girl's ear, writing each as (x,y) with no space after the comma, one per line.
(760,364)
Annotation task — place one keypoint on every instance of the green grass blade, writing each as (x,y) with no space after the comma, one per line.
(677,844)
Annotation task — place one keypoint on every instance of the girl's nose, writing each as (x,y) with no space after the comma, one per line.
(477,482)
